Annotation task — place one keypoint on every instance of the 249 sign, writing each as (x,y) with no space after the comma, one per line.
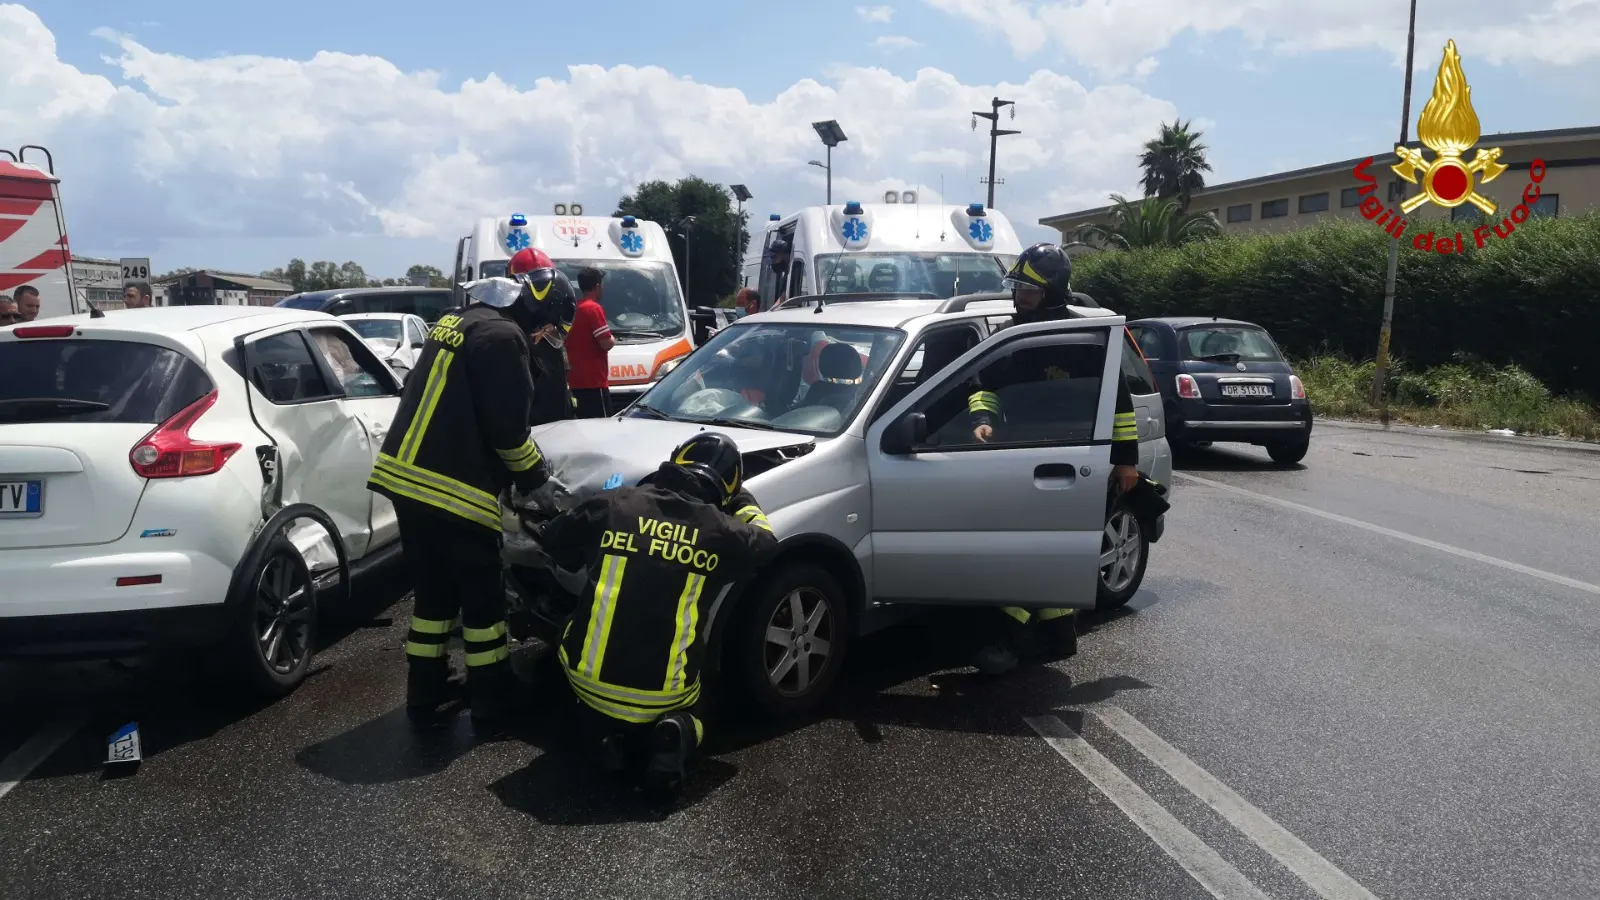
(135,269)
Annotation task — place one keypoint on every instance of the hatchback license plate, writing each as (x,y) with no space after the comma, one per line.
(21,499)
(1247,390)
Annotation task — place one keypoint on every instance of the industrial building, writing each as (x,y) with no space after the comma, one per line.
(213,288)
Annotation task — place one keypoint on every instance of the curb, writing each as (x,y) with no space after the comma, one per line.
(1580,447)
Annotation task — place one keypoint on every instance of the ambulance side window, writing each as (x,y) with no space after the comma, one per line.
(797,278)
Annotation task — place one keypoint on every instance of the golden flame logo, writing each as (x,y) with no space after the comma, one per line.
(1449,127)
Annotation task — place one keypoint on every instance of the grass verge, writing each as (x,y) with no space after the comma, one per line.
(1467,394)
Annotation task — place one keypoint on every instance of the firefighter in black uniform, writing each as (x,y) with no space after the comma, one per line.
(658,555)
(554,304)
(1040,286)
(461,437)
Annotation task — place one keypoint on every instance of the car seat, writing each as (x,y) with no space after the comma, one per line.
(840,371)
(1218,343)
(884,279)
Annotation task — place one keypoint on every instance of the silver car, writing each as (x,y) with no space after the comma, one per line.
(853,422)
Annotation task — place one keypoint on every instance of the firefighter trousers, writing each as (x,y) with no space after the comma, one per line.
(456,570)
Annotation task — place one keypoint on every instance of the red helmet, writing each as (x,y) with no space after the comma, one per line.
(529,259)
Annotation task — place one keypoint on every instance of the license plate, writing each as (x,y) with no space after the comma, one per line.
(21,499)
(1247,390)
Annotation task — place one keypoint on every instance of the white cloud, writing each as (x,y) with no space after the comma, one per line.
(894,42)
(1114,36)
(233,153)
(878,14)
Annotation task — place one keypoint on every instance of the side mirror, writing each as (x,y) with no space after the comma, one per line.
(704,321)
(401,370)
(907,432)
(417,345)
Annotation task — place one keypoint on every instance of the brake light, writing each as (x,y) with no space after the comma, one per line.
(1188,388)
(44,331)
(1297,390)
(169,452)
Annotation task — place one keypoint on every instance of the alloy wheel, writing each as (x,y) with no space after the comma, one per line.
(284,613)
(1120,551)
(799,641)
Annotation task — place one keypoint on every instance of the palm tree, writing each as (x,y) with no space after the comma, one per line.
(1151,222)
(1173,163)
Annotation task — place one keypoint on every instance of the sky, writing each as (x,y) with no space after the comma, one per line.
(236,136)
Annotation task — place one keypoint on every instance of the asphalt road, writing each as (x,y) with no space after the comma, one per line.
(1374,675)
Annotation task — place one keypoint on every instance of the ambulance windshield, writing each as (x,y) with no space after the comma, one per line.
(641,299)
(941,274)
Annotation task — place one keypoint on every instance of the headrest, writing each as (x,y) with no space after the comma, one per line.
(840,364)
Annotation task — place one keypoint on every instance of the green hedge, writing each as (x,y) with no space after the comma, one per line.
(1530,300)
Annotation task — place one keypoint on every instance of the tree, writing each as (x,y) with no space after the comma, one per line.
(177,273)
(435,278)
(712,269)
(1173,163)
(1151,222)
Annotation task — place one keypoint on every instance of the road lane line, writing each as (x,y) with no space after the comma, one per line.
(14,769)
(1196,857)
(1509,566)
(1320,875)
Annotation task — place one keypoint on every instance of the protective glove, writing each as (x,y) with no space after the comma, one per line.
(549,499)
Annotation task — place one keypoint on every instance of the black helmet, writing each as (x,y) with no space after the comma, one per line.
(548,294)
(713,463)
(1043,266)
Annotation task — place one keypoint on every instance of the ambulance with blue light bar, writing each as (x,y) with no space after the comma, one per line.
(895,247)
(643,301)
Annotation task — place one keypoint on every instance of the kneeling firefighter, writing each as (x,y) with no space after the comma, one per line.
(1040,287)
(460,438)
(658,555)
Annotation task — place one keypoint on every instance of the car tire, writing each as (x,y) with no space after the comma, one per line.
(766,612)
(274,630)
(1119,579)
(1288,454)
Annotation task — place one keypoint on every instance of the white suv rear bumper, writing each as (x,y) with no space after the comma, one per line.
(77,580)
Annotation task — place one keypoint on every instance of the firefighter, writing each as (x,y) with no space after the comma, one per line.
(460,438)
(549,295)
(1040,287)
(658,555)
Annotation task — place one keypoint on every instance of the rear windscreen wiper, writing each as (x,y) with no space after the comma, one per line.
(48,407)
(1219,357)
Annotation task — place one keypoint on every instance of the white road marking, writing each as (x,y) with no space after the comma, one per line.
(1204,864)
(1509,566)
(14,769)
(1320,875)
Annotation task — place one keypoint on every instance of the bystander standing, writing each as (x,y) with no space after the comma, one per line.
(588,346)
(27,298)
(137,295)
(8,311)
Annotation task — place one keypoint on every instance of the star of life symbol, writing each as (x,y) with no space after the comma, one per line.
(981,231)
(854,229)
(517,239)
(1449,127)
(632,241)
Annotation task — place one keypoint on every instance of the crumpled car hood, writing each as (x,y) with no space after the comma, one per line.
(590,455)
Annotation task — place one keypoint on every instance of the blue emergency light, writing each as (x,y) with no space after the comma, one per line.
(518,220)
(853,208)
(975,209)
(774,218)
(629,222)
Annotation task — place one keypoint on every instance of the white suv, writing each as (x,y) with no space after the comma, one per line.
(852,419)
(187,476)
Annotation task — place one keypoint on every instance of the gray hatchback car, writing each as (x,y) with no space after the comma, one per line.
(852,419)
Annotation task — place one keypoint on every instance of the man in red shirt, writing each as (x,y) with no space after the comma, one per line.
(587,344)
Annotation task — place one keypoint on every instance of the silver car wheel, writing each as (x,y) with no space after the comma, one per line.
(1121,551)
(799,641)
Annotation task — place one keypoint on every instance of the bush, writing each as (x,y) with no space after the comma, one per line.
(1528,303)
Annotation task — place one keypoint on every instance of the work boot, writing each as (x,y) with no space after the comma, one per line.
(1060,636)
(1015,643)
(672,745)
(613,756)
(429,685)
(492,689)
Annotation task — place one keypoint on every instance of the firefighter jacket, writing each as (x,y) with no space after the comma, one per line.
(984,408)
(460,436)
(657,561)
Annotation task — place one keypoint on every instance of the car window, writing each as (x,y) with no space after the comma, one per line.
(96,381)
(1046,390)
(431,306)
(1203,342)
(934,352)
(378,329)
(797,278)
(1150,341)
(283,370)
(414,332)
(1135,371)
(344,306)
(359,371)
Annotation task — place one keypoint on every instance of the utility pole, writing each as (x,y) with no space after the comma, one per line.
(995,133)
(1380,396)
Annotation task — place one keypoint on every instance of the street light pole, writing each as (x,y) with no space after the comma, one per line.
(832,136)
(829,169)
(1380,396)
(995,133)
(687,224)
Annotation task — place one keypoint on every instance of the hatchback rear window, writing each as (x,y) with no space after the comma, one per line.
(96,381)
(1228,341)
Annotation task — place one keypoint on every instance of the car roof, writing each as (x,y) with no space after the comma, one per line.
(1191,321)
(169,319)
(331,293)
(388,315)
(900,311)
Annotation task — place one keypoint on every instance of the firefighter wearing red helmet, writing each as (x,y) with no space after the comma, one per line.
(549,296)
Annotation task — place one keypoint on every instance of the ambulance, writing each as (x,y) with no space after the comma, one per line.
(644,303)
(886,248)
(33,233)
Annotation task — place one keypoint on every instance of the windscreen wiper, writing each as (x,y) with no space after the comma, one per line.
(739,423)
(628,333)
(28,407)
(1219,357)
(647,412)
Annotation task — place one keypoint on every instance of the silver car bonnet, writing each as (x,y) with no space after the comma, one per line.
(590,455)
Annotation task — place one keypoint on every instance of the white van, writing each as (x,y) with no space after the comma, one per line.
(880,248)
(33,233)
(643,301)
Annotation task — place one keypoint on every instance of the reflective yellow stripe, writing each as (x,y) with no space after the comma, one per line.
(638,697)
(523,458)
(699,730)
(435,499)
(1046,615)
(983,401)
(1021,615)
(432,626)
(606,590)
(442,483)
(425,407)
(426,651)
(489,657)
(1120,434)
(752,515)
(1125,417)
(685,622)
(620,711)
(496,630)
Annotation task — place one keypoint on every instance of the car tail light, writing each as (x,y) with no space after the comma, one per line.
(44,331)
(1296,389)
(1188,388)
(169,452)
(136,580)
